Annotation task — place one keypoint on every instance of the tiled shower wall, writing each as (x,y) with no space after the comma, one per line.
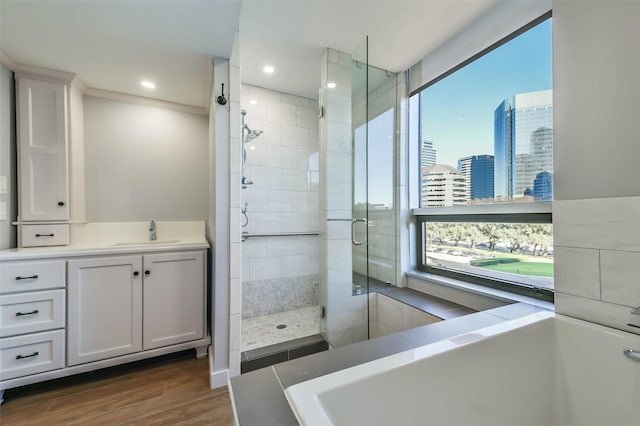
(280,273)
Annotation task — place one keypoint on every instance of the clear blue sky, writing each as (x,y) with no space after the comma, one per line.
(457,112)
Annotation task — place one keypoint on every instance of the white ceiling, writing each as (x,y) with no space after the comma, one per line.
(113,45)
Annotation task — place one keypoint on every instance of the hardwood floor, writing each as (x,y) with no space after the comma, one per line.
(171,390)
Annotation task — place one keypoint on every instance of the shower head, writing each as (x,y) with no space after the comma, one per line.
(251,134)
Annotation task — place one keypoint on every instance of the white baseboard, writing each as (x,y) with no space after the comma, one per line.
(217,379)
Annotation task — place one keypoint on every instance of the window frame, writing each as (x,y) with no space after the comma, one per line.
(509,212)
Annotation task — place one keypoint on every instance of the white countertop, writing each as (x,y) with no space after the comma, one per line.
(89,249)
(106,238)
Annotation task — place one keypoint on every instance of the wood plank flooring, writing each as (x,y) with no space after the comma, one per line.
(170,390)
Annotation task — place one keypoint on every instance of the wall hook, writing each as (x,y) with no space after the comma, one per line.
(221,99)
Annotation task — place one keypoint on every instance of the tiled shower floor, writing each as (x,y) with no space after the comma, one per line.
(262,331)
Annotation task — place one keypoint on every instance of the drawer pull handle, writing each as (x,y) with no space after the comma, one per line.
(26,356)
(44,235)
(22,314)
(32,277)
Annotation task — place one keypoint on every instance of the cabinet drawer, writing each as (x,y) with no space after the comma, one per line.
(31,312)
(32,275)
(31,354)
(44,235)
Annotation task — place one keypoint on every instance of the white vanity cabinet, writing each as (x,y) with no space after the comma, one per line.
(173,298)
(126,304)
(105,308)
(32,317)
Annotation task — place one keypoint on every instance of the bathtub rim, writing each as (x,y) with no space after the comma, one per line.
(304,398)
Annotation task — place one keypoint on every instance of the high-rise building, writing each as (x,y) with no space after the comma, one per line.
(479,171)
(543,186)
(523,142)
(443,186)
(427,154)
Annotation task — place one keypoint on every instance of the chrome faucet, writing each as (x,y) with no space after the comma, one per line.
(152,231)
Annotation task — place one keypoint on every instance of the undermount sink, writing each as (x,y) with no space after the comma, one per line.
(141,243)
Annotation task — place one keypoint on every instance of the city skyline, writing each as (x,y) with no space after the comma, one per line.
(458,111)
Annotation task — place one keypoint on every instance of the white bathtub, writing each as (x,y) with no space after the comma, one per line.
(542,369)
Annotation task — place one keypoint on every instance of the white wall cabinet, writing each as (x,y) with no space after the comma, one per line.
(125,304)
(42,135)
(104,308)
(50,157)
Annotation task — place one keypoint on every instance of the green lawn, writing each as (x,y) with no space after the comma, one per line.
(540,269)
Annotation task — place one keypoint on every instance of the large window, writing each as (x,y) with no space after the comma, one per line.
(486,166)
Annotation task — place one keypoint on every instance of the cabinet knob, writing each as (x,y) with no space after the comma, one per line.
(147,272)
(61,203)
(136,273)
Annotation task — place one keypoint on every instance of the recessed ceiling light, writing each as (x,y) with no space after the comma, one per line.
(253,102)
(268,69)
(331,85)
(147,84)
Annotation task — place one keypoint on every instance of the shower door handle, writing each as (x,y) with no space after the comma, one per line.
(353,230)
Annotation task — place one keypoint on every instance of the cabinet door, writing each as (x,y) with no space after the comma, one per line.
(42,141)
(104,308)
(174,298)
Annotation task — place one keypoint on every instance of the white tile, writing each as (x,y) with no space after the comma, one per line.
(235,296)
(235,160)
(296,137)
(338,138)
(297,100)
(620,275)
(234,224)
(271,133)
(256,199)
(347,311)
(234,363)
(307,118)
(337,230)
(339,167)
(255,112)
(278,112)
(234,189)
(340,337)
(360,333)
(233,92)
(264,223)
(605,223)
(300,222)
(608,314)
(338,108)
(341,76)
(265,178)
(390,312)
(256,154)
(279,156)
(265,268)
(577,271)
(337,196)
(246,269)
(295,265)
(339,282)
(295,180)
(337,253)
(384,329)
(282,246)
(235,332)
(412,317)
(235,260)
(254,247)
(339,57)
(281,201)
(266,93)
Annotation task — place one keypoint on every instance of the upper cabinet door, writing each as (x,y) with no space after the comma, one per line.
(42,141)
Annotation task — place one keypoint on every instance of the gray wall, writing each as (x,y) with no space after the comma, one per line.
(144,162)
(8,156)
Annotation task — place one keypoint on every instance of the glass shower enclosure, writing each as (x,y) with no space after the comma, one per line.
(358,178)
